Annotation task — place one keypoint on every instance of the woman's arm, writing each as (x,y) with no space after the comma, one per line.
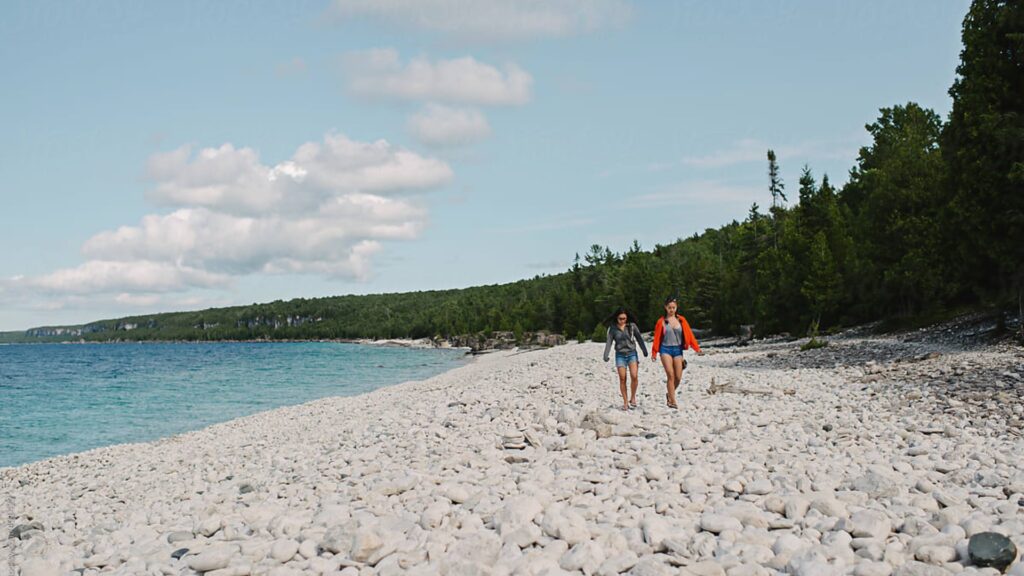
(640,338)
(608,344)
(656,345)
(691,341)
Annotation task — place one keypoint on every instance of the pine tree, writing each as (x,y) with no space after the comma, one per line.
(775,184)
(983,145)
(822,286)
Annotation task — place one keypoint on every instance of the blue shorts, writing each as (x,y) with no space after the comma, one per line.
(624,361)
(673,351)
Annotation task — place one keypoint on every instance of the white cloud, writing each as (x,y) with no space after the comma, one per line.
(490,19)
(320,242)
(380,73)
(235,181)
(438,125)
(98,276)
(325,211)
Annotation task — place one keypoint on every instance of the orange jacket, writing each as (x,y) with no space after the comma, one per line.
(688,340)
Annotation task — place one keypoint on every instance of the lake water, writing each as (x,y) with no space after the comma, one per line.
(59,398)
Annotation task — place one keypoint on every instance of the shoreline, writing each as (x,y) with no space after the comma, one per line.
(463,361)
(780,461)
(421,343)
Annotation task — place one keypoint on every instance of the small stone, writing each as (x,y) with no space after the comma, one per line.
(284,550)
(21,529)
(308,549)
(211,559)
(40,567)
(586,556)
(936,554)
(989,549)
(870,524)
(717,523)
(655,473)
(364,544)
(758,487)
(177,554)
(618,563)
(179,536)
(872,568)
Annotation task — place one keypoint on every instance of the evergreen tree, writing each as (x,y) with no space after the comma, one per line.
(775,184)
(896,195)
(983,145)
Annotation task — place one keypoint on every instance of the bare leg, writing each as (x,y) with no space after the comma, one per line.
(670,379)
(677,365)
(634,382)
(622,387)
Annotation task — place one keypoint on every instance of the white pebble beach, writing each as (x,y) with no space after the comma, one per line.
(872,456)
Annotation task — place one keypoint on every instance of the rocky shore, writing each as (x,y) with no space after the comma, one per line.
(872,456)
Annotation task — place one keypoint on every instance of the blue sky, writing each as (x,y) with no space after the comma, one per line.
(169,156)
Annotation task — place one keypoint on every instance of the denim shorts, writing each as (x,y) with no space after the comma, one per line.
(673,351)
(624,361)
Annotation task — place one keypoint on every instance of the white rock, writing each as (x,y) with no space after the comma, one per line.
(654,472)
(717,523)
(365,543)
(211,558)
(934,554)
(618,563)
(284,550)
(434,515)
(516,512)
(870,524)
(586,556)
(758,487)
(308,549)
(872,568)
(655,529)
(652,566)
(40,567)
(703,568)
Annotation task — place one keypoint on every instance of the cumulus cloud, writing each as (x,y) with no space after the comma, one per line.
(438,125)
(490,19)
(235,181)
(131,276)
(381,73)
(324,211)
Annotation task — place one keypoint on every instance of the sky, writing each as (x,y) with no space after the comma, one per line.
(159,156)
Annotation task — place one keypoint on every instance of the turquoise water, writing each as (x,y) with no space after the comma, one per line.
(58,398)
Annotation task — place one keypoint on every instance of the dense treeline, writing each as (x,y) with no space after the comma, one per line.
(931,218)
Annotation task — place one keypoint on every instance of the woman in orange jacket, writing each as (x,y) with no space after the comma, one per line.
(672,335)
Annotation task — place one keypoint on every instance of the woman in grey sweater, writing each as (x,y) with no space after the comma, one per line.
(625,335)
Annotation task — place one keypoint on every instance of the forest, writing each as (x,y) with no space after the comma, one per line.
(929,222)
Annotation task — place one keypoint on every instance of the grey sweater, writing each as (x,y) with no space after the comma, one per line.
(625,341)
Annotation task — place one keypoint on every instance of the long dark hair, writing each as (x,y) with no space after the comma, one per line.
(612,319)
(672,298)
